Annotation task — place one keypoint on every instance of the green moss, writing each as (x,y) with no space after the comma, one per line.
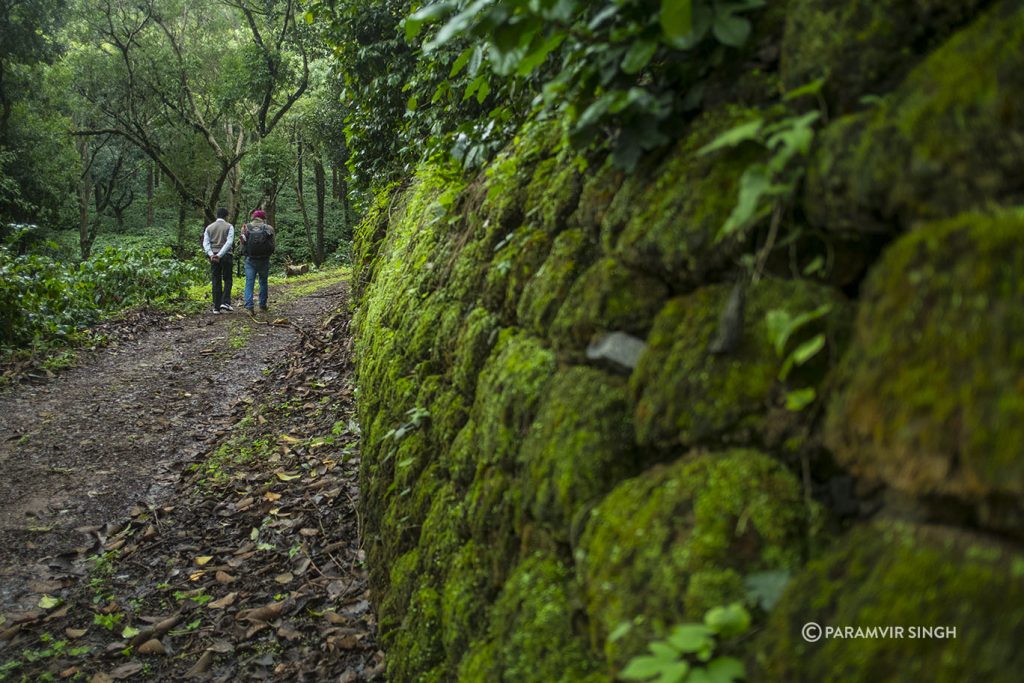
(687,396)
(416,648)
(480,663)
(473,345)
(947,140)
(531,632)
(510,387)
(863,46)
(600,187)
(657,542)
(460,460)
(579,446)
(933,400)
(467,595)
(544,293)
(468,269)
(490,504)
(441,537)
(672,230)
(448,414)
(397,590)
(554,191)
(516,260)
(607,297)
(900,575)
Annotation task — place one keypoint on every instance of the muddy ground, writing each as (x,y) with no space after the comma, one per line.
(183,505)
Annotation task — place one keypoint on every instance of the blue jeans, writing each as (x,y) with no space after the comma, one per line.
(254,267)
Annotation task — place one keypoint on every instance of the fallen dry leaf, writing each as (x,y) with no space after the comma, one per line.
(265,613)
(201,666)
(223,577)
(203,559)
(152,647)
(226,601)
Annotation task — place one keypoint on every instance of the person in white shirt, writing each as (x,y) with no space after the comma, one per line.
(218,238)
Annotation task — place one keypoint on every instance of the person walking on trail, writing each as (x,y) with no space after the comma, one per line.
(218,238)
(257,244)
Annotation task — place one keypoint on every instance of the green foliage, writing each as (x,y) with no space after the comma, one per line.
(612,66)
(44,301)
(459,77)
(765,185)
(417,416)
(108,621)
(781,327)
(687,654)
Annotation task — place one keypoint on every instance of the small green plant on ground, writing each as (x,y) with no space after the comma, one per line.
(688,654)
(99,576)
(239,335)
(108,621)
(49,647)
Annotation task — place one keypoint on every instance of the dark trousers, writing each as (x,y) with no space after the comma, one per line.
(220,274)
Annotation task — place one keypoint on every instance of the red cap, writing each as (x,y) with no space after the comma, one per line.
(258,213)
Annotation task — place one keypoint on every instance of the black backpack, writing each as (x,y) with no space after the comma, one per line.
(259,243)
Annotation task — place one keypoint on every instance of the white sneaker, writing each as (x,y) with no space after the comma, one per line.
(226,307)
(215,312)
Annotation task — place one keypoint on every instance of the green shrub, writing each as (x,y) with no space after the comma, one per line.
(44,301)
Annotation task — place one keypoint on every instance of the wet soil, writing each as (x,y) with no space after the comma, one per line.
(196,485)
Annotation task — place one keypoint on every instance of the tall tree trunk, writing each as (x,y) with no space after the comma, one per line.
(85,190)
(321,196)
(84,227)
(150,185)
(300,195)
(346,207)
(182,249)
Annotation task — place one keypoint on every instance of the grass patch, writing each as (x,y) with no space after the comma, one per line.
(297,287)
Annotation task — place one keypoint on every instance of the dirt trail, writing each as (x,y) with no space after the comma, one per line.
(103,447)
(82,449)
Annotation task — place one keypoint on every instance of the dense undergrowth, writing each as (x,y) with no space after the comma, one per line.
(46,303)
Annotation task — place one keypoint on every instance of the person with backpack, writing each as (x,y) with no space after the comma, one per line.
(258,244)
(218,238)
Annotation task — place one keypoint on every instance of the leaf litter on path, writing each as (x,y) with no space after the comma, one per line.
(252,568)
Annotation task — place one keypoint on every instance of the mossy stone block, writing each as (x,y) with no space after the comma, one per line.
(549,286)
(511,385)
(665,546)
(686,395)
(949,139)
(415,648)
(901,575)
(580,445)
(932,398)
(465,599)
(531,633)
(554,191)
(473,345)
(607,297)
(396,584)
(599,189)
(673,231)
(517,259)
(863,47)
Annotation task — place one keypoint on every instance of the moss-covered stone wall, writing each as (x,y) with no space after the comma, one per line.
(587,416)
